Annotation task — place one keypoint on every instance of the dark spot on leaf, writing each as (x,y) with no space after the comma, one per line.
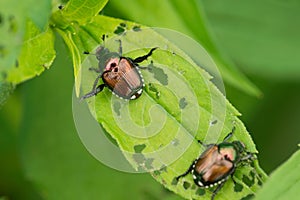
(174,181)
(148,163)
(214,122)
(248,197)
(200,192)
(247,181)
(139,158)
(123,25)
(186,185)
(158,73)
(117,107)
(139,148)
(17,63)
(60,7)
(238,187)
(119,30)
(136,28)
(182,103)
(175,142)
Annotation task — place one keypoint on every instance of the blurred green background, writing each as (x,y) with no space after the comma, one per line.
(41,156)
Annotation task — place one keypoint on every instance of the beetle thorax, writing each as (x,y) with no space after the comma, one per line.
(112,64)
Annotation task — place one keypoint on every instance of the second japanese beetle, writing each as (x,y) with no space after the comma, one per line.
(120,74)
(217,163)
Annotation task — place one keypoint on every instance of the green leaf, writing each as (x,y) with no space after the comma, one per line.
(37,54)
(12,29)
(13,24)
(159,120)
(284,182)
(82,11)
(187,17)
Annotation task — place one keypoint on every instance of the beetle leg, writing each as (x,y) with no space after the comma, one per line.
(187,172)
(229,135)
(96,81)
(93,92)
(217,190)
(142,58)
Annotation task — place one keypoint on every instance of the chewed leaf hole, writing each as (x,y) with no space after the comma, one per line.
(139,148)
(200,192)
(186,185)
(238,187)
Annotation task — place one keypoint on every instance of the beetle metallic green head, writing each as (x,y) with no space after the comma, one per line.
(239,146)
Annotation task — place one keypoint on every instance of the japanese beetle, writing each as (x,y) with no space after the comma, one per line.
(120,74)
(217,163)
